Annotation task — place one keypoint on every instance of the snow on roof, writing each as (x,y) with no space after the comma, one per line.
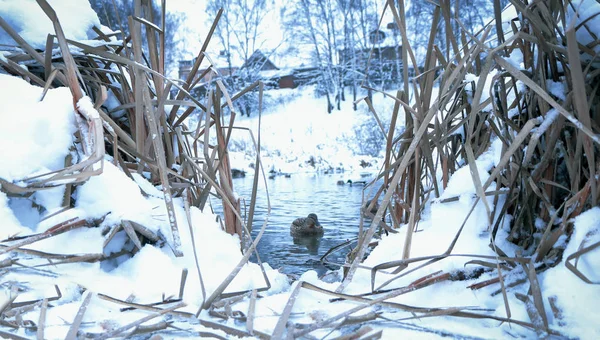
(385,36)
(275,73)
(219,59)
(295,56)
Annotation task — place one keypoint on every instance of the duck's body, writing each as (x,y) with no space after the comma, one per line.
(370,212)
(306,226)
(357,182)
(351,182)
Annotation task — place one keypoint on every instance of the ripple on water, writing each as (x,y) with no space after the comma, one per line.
(338,208)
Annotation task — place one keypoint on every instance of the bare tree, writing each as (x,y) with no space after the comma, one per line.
(114,14)
(314,22)
(240,36)
(473,14)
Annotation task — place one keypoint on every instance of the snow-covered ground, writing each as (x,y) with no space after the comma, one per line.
(297,135)
(36,136)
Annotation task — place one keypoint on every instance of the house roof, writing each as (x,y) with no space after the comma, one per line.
(260,61)
(385,36)
(295,56)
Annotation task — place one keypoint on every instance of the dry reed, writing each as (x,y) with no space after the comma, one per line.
(139,84)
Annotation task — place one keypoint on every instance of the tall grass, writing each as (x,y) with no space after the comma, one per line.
(548,170)
(184,162)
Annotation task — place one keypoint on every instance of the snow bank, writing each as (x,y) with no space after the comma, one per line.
(575,298)
(28,19)
(35,138)
(439,224)
(116,196)
(298,135)
(37,142)
(36,134)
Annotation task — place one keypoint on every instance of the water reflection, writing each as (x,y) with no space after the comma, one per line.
(338,208)
(310,242)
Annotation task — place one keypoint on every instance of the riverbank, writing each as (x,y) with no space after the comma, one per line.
(298,135)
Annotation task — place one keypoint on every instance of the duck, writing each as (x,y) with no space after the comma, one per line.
(238,173)
(306,226)
(357,182)
(372,211)
(341,182)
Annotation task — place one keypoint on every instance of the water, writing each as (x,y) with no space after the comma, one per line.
(338,209)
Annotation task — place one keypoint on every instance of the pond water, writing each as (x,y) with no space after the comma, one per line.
(337,206)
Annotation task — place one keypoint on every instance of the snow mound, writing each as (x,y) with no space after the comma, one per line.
(20,14)
(36,134)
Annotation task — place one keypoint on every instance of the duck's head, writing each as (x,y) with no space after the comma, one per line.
(315,219)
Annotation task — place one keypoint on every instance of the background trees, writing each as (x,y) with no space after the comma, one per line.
(115,13)
(338,33)
(240,29)
(473,14)
(240,34)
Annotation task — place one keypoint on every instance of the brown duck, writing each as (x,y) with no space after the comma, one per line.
(306,226)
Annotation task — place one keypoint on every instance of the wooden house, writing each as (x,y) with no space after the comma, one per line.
(259,62)
(380,55)
(259,65)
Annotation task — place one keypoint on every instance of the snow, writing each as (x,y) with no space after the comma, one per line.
(556,88)
(575,297)
(296,130)
(86,107)
(485,94)
(115,197)
(438,227)
(10,224)
(108,198)
(551,116)
(28,19)
(113,193)
(25,136)
(585,12)
(37,134)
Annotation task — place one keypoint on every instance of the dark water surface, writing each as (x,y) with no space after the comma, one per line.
(338,208)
